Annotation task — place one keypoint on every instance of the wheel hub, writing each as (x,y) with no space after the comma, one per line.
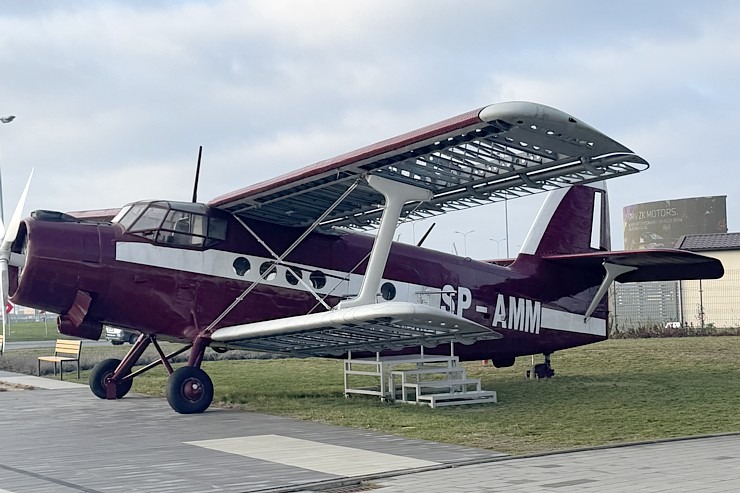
(192,390)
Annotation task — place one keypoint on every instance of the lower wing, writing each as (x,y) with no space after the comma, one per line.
(391,325)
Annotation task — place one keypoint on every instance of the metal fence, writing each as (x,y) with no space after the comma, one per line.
(700,304)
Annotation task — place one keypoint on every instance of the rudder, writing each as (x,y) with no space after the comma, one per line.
(571,220)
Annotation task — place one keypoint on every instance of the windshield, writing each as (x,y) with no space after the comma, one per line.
(173,223)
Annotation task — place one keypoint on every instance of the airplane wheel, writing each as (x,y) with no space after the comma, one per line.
(503,360)
(189,390)
(100,375)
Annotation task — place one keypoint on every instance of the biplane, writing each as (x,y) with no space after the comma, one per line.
(286,265)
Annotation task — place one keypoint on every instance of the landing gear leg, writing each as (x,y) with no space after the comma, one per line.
(190,389)
(544,370)
(111,378)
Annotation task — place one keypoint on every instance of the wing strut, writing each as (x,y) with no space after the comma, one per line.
(612,272)
(396,195)
(280,259)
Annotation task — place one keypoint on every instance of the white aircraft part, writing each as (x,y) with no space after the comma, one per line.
(572,322)
(396,195)
(218,263)
(544,216)
(612,272)
(396,313)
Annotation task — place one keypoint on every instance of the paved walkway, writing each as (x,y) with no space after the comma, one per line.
(65,440)
(37,382)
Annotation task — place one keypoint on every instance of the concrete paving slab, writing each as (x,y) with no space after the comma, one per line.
(69,440)
(709,464)
(37,382)
(66,440)
(307,454)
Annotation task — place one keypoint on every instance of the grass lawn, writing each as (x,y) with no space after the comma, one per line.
(611,392)
(34,331)
(616,391)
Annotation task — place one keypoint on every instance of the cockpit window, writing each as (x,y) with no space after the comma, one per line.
(172,223)
(149,220)
(128,215)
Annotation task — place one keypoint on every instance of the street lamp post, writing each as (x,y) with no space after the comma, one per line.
(498,245)
(3,119)
(465,239)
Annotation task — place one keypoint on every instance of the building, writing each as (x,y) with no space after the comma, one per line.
(696,224)
(716,302)
(663,223)
(701,304)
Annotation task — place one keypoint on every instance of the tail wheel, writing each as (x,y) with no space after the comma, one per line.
(101,373)
(189,390)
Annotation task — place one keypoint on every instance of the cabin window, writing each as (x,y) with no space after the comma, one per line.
(293,274)
(241,266)
(388,291)
(318,279)
(268,272)
(173,223)
(216,228)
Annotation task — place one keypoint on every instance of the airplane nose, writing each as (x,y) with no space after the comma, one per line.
(53,258)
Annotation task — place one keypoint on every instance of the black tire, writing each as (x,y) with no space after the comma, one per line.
(503,360)
(100,375)
(132,339)
(189,390)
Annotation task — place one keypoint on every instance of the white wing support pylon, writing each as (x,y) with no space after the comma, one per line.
(373,328)
(396,195)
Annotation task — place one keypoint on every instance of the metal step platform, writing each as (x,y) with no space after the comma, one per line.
(433,380)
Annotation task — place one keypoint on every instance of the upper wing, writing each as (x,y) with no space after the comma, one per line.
(95,215)
(651,265)
(389,325)
(498,152)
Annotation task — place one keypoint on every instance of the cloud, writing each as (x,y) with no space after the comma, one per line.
(114,98)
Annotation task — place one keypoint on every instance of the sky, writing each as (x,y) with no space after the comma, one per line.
(112,99)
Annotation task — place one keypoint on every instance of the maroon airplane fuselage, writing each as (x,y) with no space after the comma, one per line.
(75,268)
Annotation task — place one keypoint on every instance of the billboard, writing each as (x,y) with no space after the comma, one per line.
(661,224)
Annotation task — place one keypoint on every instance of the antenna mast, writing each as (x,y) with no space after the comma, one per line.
(197,175)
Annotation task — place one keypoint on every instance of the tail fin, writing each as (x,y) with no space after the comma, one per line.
(572,220)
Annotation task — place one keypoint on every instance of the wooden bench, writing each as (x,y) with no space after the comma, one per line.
(71,350)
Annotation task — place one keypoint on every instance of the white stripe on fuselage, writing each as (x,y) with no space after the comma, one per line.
(218,263)
(572,322)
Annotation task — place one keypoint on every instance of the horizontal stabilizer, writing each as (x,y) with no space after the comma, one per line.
(650,265)
(376,327)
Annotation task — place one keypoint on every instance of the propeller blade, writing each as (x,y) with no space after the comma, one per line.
(4,281)
(5,322)
(8,237)
(15,220)
(4,295)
